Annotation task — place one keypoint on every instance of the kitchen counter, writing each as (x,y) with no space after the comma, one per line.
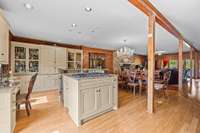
(12,86)
(89,95)
(8,107)
(82,76)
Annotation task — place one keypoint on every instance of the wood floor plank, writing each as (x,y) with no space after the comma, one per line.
(174,115)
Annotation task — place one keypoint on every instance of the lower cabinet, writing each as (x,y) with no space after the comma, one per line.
(90,97)
(42,83)
(94,100)
(106,97)
(7,109)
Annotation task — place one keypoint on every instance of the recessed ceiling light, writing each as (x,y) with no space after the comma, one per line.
(28,6)
(88,9)
(92,31)
(74,25)
(79,32)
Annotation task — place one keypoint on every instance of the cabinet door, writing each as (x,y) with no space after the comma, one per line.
(4,41)
(106,97)
(19,63)
(88,101)
(50,82)
(34,57)
(48,60)
(58,81)
(60,58)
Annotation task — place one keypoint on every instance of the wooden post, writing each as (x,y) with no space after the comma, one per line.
(180,68)
(191,67)
(196,65)
(198,59)
(151,63)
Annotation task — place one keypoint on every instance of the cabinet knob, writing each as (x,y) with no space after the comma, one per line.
(2,53)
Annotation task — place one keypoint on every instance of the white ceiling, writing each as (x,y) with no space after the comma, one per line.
(184,14)
(112,20)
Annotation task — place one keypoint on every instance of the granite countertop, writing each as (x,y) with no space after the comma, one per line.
(8,86)
(80,76)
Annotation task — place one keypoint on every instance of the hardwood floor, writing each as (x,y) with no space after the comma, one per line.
(175,115)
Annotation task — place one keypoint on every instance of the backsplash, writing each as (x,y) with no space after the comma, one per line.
(4,70)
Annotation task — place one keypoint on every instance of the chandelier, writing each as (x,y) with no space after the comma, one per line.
(125,51)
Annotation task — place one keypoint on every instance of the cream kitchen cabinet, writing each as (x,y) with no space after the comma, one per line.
(42,83)
(48,60)
(74,60)
(89,97)
(60,57)
(49,82)
(25,58)
(8,109)
(96,100)
(52,58)
(4,41)
(106,97)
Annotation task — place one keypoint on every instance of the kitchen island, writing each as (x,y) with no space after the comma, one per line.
(89,95)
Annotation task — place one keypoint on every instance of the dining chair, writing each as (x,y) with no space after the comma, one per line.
(25,98)
(162,85)
(121,81)
(132,83)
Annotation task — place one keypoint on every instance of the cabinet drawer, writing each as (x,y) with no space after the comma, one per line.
(4,102)
(95,84)
(88,85)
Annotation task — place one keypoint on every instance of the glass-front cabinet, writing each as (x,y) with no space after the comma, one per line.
(74,61)
(33,60)
(26,59)
(20,59)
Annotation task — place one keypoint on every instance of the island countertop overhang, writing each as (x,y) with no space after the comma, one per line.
(87,76)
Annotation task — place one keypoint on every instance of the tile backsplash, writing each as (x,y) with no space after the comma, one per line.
(4,70)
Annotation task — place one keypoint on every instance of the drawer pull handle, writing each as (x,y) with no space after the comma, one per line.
(2,53)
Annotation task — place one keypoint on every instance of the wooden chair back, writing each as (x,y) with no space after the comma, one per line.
(166,78)
(31,84)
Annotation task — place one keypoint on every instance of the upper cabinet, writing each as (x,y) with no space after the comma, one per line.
(4,41)
(60,58)
(25,58)
(53,59)
(74,59)
(29,58)
(48,60)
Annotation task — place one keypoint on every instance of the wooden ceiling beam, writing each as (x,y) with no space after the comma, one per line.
(147,8)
